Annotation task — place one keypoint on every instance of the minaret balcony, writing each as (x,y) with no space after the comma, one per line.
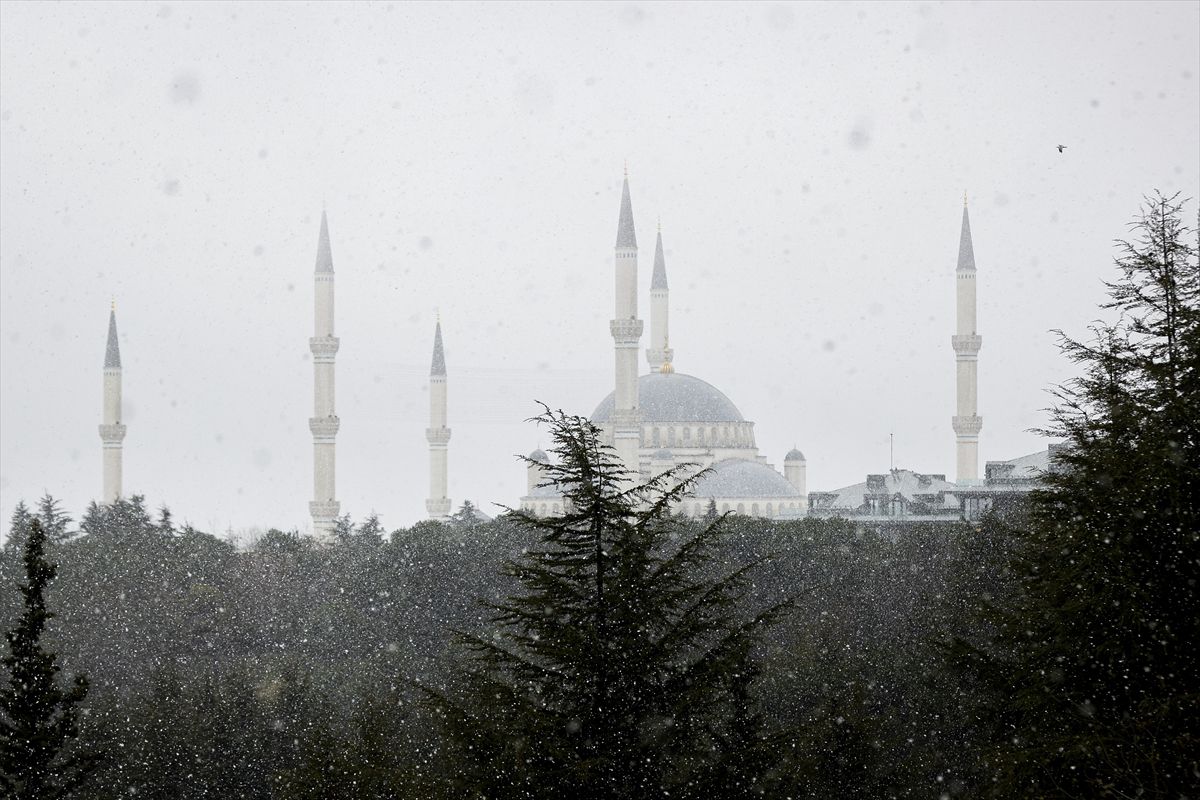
(966,345)
(324,428)
(967,426)
(113,434)
(626,330)
(324,510)
(324,348)
(437,435)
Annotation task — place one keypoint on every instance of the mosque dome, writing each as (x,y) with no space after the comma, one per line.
(794,455)
(663,454)
(675,397)
(539,456)
(737,477)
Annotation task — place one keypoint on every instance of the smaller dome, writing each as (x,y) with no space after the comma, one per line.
(662,454)
(739,478)
(794,455)
(539,456)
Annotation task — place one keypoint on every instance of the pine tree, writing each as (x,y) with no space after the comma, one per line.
(622,669)
(467,515)
(38,720)
(1094,680)
(55,522)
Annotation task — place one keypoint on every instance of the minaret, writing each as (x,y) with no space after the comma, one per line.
(437,434)
(659,352)
(966,342)
(795,469)
(626,331)
(324,422)
(112,430)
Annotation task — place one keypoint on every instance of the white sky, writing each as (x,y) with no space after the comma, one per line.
(807,162)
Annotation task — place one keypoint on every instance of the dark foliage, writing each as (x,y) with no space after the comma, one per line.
(1090,679)
(38,719)
(619,670)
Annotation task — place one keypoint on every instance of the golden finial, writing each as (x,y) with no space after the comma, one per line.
(666,368)
(660,224)
(964,198)
(114,304)
(437,313)
(627,169)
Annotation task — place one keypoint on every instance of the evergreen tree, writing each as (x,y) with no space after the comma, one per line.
(55,522)
(1094,680)
(38,720)
(467,516)
(622,670)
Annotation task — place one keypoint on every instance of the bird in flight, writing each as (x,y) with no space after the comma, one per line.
(1062,147)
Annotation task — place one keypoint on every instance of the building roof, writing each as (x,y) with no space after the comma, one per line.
(675,397)
(1033,465)
(548,490)
(794,455)
(737,477)
(438,367)
(898,481)
(324,253)
(112,351)
(966,253)
(625,234)
(658,279)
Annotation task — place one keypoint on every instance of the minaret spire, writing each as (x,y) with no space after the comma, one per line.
(966,342)
(437,434)
(626,331)
(112,430)
(659,352)
(324,423)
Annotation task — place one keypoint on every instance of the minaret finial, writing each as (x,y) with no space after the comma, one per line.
(113,307)
(964,198)
(627,169)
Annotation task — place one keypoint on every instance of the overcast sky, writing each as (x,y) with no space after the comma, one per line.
(807,162)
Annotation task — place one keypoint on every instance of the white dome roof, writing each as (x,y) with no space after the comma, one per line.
(737,477)
(675,397)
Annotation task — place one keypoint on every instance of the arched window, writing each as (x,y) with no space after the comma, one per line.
(700,436)
(712,434)
(655,437)
(556,509)
(687,436)
(770,510)
(724,507)
(754,509)
(671,437)
(741,508)
(543,511)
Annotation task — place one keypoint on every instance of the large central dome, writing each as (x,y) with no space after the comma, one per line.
(675,397)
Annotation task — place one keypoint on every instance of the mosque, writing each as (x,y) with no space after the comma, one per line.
(665,418)
(658,420)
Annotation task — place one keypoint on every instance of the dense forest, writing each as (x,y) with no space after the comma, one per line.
(294,669)
(622,651)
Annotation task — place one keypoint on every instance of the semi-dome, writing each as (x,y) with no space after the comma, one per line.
(794,455)
(737,477)
(539,456)
(675,397)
